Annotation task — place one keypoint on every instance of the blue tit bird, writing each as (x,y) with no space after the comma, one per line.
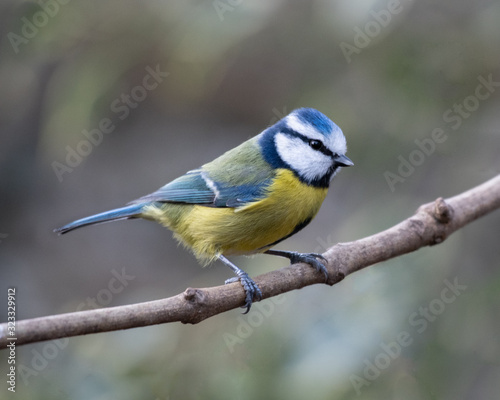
(250,198)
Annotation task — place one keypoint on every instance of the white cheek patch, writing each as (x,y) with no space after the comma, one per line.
(308,163)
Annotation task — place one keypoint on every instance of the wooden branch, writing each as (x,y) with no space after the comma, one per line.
(430,225)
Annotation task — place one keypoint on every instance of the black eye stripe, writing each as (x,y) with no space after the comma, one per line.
(322,149)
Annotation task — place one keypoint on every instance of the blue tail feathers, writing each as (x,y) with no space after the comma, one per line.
(132,211)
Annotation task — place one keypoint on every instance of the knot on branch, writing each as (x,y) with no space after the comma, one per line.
(339,269)
(336,277)
(196,300)
(442,211)
(194,296)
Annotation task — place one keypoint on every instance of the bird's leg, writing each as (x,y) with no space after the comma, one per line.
(308,258)
(252,291)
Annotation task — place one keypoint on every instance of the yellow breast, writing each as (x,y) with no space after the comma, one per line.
(255,227)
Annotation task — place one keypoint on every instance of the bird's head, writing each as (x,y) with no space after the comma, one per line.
(308,143)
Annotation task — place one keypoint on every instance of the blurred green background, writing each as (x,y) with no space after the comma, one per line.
(387,72)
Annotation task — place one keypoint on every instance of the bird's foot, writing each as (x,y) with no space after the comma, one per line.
(313,259)
(252,291)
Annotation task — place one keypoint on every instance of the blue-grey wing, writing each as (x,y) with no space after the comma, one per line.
(197,187)
(189,188)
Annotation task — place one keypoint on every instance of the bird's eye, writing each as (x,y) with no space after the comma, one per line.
(315,144)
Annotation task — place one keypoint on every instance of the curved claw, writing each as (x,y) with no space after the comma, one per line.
(317,255)
(311,259)
(252,291)
(308,258)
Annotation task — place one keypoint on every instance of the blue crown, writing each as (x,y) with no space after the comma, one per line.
(318,120)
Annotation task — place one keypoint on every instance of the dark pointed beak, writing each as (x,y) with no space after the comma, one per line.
(343,161)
